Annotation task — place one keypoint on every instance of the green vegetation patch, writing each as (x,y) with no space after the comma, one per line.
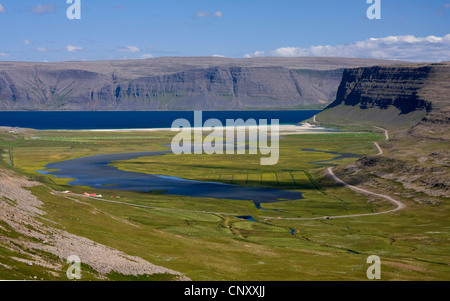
(203,238)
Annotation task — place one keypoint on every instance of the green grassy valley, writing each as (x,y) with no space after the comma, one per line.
(203,238)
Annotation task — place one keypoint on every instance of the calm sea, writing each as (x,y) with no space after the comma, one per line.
(135,120)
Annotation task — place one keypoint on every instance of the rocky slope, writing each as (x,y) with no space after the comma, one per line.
(173,83)
(393,96)
(413,103)
(30,242)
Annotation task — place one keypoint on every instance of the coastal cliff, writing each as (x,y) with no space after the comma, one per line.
(413,103)
(174,84)
(389,96)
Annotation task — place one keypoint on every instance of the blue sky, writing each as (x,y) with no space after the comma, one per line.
(35,30)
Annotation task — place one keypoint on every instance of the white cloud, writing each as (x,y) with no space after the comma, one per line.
(71,48)
(43,49)
(2,9)
(203,14)
(146,56)
(217,55)
(2,54)
(129,49)
(408,47)
(26,42)
(43,9)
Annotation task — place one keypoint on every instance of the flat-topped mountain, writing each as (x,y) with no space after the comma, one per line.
(174,83)
(391,96)
(413,103)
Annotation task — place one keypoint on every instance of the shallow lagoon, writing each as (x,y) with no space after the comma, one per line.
(95,172)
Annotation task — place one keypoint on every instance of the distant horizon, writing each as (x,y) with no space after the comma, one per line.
(227,58)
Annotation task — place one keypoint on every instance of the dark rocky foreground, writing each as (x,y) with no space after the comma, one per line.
(174,83)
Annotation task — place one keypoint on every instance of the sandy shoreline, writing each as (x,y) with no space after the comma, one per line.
(283,129)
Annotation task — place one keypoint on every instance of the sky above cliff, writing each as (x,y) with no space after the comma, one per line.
(117,29)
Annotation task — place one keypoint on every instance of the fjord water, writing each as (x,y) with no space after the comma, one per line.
(68,120)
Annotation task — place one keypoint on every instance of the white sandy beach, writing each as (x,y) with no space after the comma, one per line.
(283,129)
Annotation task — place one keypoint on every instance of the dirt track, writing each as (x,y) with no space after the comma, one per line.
(399,204)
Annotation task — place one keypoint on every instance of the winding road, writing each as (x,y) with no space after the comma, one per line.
(386,134)
(380,151)
(399,204)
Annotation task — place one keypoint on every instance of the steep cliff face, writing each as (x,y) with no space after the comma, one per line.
(222,88)
(436,123)
(384,87)
(172,84)
(390,96)
(413,103)
(35,88)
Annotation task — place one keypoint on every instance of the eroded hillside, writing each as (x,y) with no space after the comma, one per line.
(173,83)
(412,102)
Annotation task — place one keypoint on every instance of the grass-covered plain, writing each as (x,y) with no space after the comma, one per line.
(203,238)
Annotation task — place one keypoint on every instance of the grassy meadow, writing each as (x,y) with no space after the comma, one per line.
(204,239)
